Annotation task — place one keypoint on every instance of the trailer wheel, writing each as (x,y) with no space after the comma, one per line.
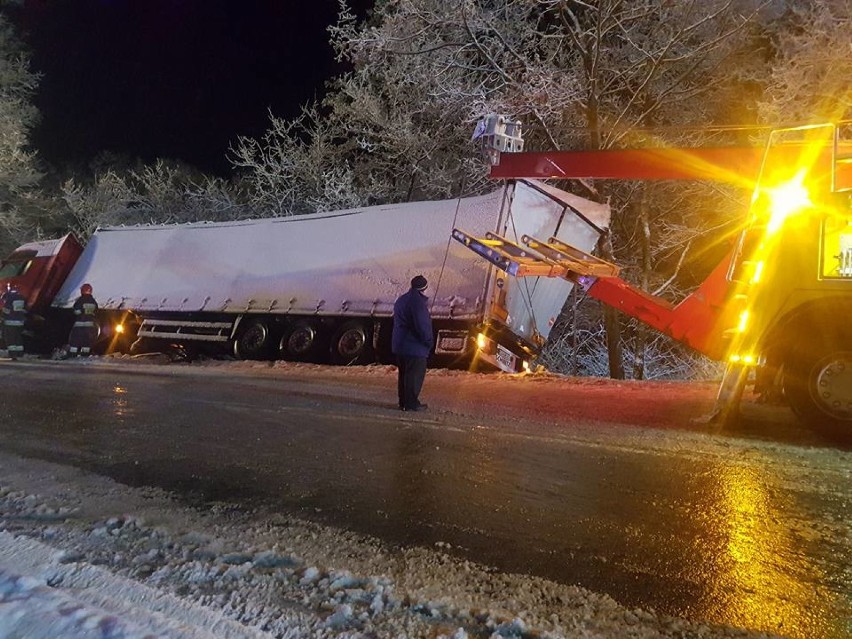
(351,344)
(818,385)
(253,341)
(301,342)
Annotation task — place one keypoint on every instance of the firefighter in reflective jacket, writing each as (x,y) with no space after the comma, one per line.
(14,316)
(85,329)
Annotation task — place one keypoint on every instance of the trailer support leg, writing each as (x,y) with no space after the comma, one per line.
(728,398)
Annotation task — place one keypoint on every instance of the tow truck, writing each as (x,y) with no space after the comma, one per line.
(777,307)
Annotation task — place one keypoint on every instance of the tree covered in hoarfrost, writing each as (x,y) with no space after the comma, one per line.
(577,74)
(160,193)
(810,77)
(581,350)
(297,167)
(18,168)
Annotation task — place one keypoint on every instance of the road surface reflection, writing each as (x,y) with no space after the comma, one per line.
(760,575)
(731,534)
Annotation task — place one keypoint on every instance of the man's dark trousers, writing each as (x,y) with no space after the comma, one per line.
(412,372)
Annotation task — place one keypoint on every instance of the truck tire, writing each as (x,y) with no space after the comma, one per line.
(351,344)
(818,386)
(253,341)
(301,342)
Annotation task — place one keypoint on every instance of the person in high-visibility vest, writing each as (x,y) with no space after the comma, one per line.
(85,329)
(14,316)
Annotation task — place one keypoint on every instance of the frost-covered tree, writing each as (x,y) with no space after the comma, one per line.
(160,193)
(810,78)
(18,169)
(579,75)
(297,167)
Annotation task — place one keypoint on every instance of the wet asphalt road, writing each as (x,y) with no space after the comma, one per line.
(731,532)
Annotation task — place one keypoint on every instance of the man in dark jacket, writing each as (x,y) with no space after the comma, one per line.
(85,329)
(14,316)
(411,343)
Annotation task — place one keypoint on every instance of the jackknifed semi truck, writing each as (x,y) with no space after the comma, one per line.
(315,287)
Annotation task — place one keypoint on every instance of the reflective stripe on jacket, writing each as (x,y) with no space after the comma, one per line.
(14,309)
(85,308)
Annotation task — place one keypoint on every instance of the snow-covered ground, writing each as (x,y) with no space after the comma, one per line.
(82,556)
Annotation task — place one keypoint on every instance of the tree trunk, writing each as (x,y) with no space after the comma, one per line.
(575,340)
(612,320)
(411,184)
(641,340)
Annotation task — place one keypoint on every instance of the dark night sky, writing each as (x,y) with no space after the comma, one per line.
(177,79)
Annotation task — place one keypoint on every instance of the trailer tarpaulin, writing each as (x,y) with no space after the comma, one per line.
(353,262)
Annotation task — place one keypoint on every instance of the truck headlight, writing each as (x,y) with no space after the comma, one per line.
(481,341)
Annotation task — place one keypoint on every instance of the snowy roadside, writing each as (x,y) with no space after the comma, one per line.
(541,396)
(83,556)
(627,413)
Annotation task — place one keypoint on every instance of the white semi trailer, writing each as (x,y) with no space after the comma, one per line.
(322,287)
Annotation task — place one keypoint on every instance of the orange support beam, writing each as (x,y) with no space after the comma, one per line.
(699,320)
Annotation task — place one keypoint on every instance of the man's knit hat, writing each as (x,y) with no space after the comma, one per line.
(419,283)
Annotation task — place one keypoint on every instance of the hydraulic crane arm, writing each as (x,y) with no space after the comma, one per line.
(738,165)
(695,321)
(632,164)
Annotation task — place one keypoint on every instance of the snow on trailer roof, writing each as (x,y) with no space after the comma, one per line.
(354,261)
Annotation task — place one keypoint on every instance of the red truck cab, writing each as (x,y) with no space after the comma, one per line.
(37,270)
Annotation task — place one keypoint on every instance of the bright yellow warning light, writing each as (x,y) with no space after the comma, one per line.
(119,328)
(785,200)
(743,324)
(481,341)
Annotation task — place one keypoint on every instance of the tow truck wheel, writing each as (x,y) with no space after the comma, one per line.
(818,385)
(253,341)
(351,344)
